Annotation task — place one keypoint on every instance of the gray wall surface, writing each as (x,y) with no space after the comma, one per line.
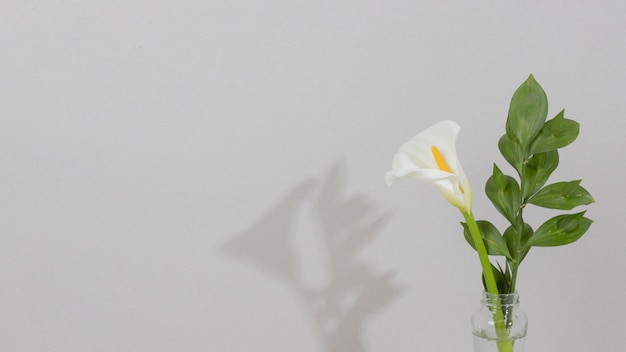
(209,175)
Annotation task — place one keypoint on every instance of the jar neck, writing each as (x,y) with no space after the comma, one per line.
(501,300)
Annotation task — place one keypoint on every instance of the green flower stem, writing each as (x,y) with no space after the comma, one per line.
(490,279)
(504,344)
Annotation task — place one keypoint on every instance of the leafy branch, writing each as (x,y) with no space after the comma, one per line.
(531,146)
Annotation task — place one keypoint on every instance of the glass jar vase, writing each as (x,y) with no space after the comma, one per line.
(499,325)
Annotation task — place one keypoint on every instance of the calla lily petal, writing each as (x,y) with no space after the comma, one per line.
(431,156)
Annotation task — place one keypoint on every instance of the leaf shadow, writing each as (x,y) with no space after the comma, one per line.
(352,291)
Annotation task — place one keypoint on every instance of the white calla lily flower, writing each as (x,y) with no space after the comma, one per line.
(431,156)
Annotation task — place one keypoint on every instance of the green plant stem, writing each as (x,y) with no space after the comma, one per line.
(514,267)
(503,343)
(483,256)
(514,264)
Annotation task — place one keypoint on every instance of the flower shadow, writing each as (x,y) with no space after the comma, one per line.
(352,290)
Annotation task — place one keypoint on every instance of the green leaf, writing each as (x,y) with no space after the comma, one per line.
(556,133)
(494,242)
(504,193)
(560,230)
(527,112)
(537,171)
(518,249)
(562,195)
(512,152)
(503,278)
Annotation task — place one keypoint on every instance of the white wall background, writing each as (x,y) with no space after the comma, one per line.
(173,172)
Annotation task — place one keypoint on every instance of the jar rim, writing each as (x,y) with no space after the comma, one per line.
(485,293)
(505,299)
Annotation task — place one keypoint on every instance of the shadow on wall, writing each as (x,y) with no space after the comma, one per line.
(351,290)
